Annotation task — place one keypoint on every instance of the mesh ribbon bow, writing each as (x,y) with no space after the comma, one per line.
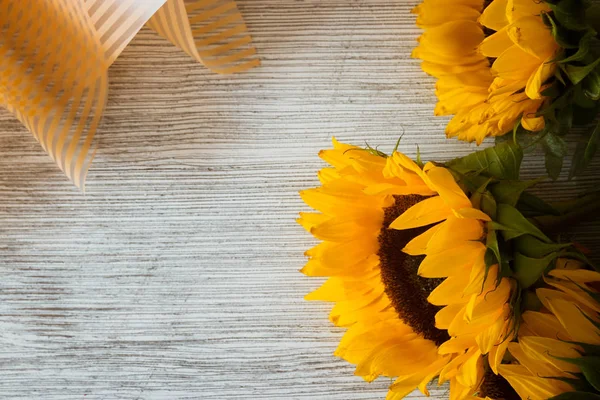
(55,54)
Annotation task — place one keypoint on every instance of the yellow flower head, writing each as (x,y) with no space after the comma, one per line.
(553,342)
(491,59)
(403,248)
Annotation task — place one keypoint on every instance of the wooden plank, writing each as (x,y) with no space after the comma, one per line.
(175,275)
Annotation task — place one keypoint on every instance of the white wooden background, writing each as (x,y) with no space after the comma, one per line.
(175,275)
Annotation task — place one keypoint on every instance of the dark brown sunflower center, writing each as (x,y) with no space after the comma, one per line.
(406,290)
(496,387)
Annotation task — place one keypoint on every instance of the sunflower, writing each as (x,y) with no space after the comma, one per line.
(491,59)
(403,248)
(558,346)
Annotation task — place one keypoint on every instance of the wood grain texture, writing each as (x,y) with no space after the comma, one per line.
(175,275)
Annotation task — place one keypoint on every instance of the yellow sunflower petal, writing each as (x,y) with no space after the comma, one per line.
(411,167)
(529,386)
(535,367)
(340,229)
(496,44)
(494,16)
(517,9)
(579,327)
(453,261)
(549,350)
(460,392)
(544,325)
(308,220)
(492,336)
(419,244)
(443,182)
(454,231)
(578,275)
(533,37)
(405,384)
(472,213)
(454,38)
(450,291)
(331,290)
(496,355)
(447,314)
(431,13)
(533,123)
(515,65)
(471,372)
(429,211)
(439,70)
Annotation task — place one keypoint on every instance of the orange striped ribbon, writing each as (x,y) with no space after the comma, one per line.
(55,54)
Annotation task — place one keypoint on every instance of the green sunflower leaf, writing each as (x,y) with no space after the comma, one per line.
(576,396)
(513,224)
(555,149)
(585,116)
(584,152)
(565,119)
(577,73)
(502,161)
(528,269)
(592,145)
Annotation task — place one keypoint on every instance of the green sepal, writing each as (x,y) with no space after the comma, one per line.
(592,15)
(583,48)
(513,224)
(563,37)
(577,255)
(591,86)
(528,270)
(492,254)
(418,160)
(581,99)
(533,247)
(570,14)
(509,192)
(483,200)
(589,366)
(495,255)
(578,383)
(588,349)
(532,206)
(530,301)
(577,73)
